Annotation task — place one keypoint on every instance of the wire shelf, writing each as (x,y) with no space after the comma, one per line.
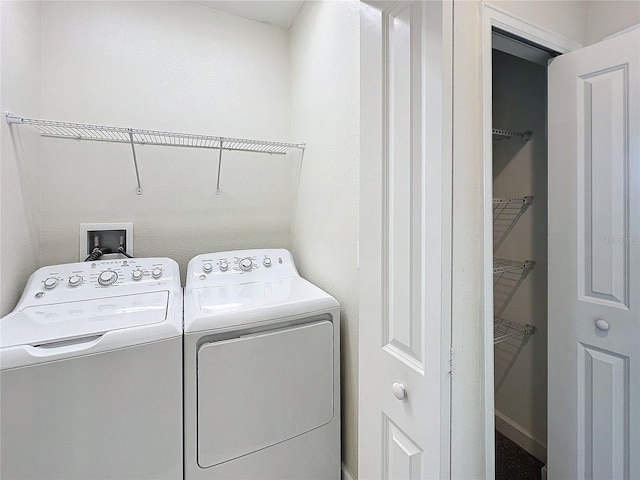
(499,134)
(504,329)
(136,136)
(503,265)
(516,201)
(506,213)
(103,133)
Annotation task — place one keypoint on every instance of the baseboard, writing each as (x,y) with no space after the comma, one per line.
(346,474)
(521,436)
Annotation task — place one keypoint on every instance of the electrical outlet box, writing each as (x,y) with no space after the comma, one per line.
(108,235)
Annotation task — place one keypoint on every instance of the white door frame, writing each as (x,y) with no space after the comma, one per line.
(495,17)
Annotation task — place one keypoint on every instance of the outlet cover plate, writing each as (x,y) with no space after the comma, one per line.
(86,248)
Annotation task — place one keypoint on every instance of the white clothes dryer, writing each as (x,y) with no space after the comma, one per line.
(91,373)
(262,370)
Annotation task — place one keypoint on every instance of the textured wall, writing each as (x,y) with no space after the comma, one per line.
(519,168)
(325,92)
(563,17)
(607,17)
(173,66)
(467,432)
(20,175)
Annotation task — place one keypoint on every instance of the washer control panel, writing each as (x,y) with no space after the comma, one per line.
(102,278)
(227,267)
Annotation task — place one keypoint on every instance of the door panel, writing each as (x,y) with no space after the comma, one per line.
(404,224)
(594,262)
(603,386)
(403,459)
(402,208)
(603,200)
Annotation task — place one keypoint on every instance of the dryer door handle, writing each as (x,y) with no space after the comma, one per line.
(64,346)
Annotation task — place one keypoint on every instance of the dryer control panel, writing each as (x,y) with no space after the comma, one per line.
(240,266)
(102,278)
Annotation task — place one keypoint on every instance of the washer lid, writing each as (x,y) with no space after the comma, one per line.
(233,305)
(51,324)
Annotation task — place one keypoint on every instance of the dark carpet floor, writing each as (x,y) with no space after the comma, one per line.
(513,463)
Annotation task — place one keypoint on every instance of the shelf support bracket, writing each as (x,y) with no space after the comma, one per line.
(219,165)
(135,163)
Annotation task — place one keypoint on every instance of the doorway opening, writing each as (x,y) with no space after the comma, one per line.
(519,211)
(515,254)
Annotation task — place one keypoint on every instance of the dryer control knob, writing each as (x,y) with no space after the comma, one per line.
(224,265)
(207,268)
(246,264)
(75,280)
(50,283)
(266,262)
(156,272)
(108,277)
(137,274)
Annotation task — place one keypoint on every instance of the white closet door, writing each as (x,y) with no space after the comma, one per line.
(405,198)
(594,262)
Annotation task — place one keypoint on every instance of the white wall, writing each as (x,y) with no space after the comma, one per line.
(325,94)
(173,66)
(584,21)
(607,17)
(20,175)
(520,168)
(467,428)
(564,17)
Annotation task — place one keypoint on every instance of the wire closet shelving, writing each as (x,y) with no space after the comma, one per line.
(503,265)
(499,134)
(504,329)
(515,201)
(135,136)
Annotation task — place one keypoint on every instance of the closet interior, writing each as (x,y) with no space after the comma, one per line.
(520,255)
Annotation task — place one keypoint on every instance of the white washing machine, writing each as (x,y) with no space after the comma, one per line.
(91,373)
(262,363)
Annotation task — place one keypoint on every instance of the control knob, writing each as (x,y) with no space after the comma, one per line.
(108,277)
(156,272)
(207,268)
(137,274)
(75,280)
(224,265)
(246,264)
(50,283)
(266,262)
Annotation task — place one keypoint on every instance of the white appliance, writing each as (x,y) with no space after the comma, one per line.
(262,363)
(91,373)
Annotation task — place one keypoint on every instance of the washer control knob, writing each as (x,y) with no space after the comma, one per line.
(75,280)
(246,264)
(51,282)
(266,262)
(207,268)
(108,277)
(156,272)
(137,274)
(224,265)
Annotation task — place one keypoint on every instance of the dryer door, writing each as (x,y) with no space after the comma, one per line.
(258,390)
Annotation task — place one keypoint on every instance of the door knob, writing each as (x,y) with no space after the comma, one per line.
(602,324)
(399,390)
